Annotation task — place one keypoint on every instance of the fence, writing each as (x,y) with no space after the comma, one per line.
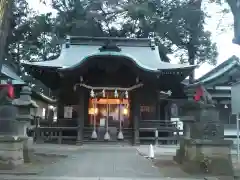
(160,132)
(150,132)
(58,135)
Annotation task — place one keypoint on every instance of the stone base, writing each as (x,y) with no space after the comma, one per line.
(205,156)
(79,143)
(11,152)
(28,151)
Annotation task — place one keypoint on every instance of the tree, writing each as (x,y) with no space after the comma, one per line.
(31,38)
(5,18)
(179,26)
(235,8)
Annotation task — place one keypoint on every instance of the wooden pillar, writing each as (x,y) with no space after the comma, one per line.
(158,109)
(135,116)
(81,115)
(60,114)
(60,110)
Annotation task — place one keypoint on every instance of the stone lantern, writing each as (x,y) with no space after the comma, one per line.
(11,145)
(203,147)
(25,106)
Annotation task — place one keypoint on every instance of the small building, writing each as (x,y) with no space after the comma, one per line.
(109,85)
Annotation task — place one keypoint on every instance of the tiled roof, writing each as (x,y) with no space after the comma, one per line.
(9,72)
(136,50)
(219,74)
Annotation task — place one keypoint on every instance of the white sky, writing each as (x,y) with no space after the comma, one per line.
(223,39)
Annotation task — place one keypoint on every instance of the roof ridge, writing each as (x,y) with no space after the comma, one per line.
(108,38)
(232,59)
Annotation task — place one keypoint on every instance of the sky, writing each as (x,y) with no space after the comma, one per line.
(214,24)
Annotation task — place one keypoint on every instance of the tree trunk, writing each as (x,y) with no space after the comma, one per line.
(194,39)
(235,8)
(5,19)
(191,60)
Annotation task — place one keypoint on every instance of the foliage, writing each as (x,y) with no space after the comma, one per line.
(235,9)
(31,38)
(177,25)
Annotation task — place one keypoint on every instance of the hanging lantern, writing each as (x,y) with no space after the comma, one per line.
(9,89)
(103,93)
(92,93)
(115,94)
(126,95)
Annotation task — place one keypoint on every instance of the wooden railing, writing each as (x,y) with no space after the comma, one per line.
(150,132)
(68,135)
(160,132)
(55,134)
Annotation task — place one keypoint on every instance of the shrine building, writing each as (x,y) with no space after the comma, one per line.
(110,88)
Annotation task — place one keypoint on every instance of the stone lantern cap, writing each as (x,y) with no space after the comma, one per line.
(187,119)
(25,98)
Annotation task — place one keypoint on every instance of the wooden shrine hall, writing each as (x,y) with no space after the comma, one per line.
(111,89)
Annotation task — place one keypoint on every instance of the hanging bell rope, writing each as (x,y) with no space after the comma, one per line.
(103,93)
(92,94)
(115,94)
(126,94)
(108,88)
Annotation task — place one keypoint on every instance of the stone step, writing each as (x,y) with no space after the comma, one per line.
(86,178)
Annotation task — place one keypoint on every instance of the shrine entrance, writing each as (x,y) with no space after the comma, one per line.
(108,117)
(109,112)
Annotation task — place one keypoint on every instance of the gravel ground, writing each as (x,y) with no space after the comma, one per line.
(36,166)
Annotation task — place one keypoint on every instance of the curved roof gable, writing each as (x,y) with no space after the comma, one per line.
(81,48)
(225,68)
(9,72)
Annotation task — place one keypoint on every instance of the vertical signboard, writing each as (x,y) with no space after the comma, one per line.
(235,102)
(68,112)
(235,98)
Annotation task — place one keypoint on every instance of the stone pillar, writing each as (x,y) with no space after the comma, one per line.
(81,116)
(187,123)
(24,116)
(135,116)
